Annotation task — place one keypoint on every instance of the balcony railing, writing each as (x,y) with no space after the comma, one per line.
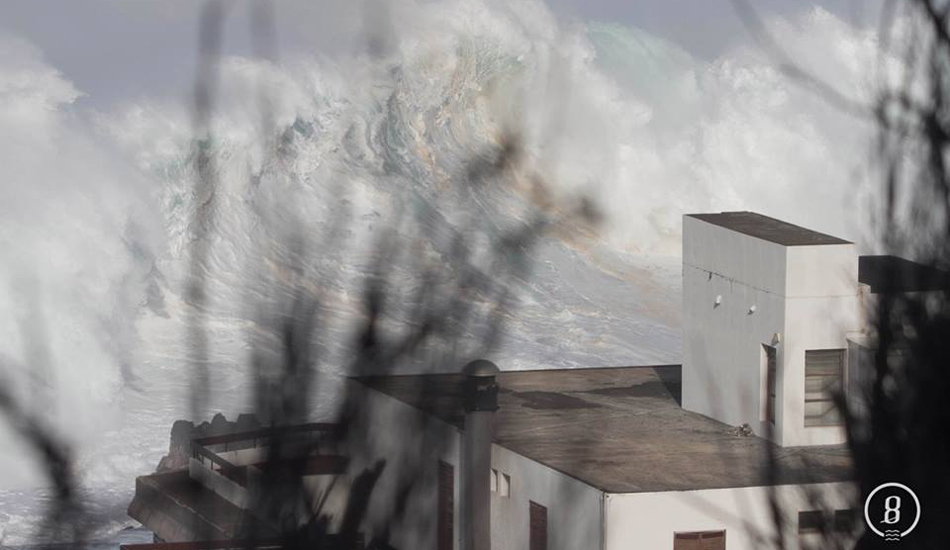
(328,542)
(257,437)
(314,465)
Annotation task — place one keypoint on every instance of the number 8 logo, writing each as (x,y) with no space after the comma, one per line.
(892,510)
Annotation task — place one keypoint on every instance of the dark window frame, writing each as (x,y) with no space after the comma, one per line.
(682,539)
(820,375)
(812,521)
(844,520)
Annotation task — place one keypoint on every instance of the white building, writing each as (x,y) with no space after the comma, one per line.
(613,459)
(605,459)
(767,308)
(630,457)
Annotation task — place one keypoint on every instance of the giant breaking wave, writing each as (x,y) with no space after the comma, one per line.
(97,205)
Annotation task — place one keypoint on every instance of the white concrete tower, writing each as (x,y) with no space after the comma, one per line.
(766,307)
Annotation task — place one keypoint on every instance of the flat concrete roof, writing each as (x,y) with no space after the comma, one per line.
(895,274)
(621,430)
(768,229)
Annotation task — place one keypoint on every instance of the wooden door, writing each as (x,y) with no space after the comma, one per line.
(446,513)
(538,528)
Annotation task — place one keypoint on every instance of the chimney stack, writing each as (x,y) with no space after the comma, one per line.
(481,401)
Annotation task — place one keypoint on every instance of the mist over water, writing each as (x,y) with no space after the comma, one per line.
(95,205)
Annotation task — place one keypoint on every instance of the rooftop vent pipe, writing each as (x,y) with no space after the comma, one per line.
(481,402)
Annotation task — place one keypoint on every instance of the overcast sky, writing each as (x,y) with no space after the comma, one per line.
(113,49)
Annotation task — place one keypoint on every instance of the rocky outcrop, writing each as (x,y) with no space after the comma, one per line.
(183,431)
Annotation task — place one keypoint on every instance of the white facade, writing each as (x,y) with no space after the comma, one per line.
(741,293)
(412,443)
(651,520)
(574,509)
(583,517)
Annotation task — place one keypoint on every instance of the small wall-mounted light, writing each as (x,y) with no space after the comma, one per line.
(776,339)
(718,300)
(751,309)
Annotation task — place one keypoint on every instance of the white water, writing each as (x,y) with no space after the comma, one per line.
(95,206)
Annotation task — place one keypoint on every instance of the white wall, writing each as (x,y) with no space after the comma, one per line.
(649,520)
(574,508)
(407,439)
(823,304)
(722,345)
(808,295)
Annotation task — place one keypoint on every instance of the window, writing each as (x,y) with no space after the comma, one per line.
(823,373)
(538,527)
(812,521)
(770,382)
(500,483)
(700,540)
(445,518)
(845,520)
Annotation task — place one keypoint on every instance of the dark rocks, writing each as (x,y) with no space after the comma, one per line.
(183,431)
